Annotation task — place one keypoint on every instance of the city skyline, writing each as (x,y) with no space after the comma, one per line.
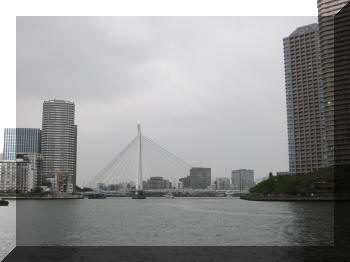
(205,128)
(244,152)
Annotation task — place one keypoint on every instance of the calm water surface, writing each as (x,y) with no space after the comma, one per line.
(172,222)
(7,228)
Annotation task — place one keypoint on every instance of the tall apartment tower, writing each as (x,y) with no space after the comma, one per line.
(59,141)
(21,140)
(336,94)
(305,108)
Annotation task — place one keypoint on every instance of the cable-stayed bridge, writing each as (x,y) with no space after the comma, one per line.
(143,161)
(140,160)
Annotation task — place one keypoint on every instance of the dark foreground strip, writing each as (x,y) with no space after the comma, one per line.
(184,254)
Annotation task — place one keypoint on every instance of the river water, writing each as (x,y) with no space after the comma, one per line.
(7,228)
(170,222)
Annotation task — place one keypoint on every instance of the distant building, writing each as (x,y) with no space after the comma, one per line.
(144,184)
(59,142)
(1,156)
(53,184)
(184,182)
(101,186)
(158,182)
(223,183)
(167,184)
(242,179)
(112,187)
(200,177)
(155,183)
(59,183)
(21,140)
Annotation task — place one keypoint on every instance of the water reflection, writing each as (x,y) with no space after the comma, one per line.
(181,222)
(312,223)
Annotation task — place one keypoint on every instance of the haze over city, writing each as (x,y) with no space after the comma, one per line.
(192,138)
(209,89)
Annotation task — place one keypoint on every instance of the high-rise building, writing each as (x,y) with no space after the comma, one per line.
(59,142)
(242,179)
(21,140)
(335,77)
(305,109)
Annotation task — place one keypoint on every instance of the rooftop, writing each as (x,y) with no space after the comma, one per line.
(305,28)
(59,101)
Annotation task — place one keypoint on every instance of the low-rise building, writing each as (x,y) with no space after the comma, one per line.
(158,182)
(8,176)
(21,175)
(58,183)
(112,187)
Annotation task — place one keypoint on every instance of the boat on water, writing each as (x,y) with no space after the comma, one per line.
(4,202)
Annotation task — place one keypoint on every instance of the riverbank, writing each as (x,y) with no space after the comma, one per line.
(318,185)
(286,198)
(40,198)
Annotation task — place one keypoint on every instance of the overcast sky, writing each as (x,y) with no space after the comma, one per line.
(209,89)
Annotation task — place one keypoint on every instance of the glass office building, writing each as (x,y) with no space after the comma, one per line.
(21,140)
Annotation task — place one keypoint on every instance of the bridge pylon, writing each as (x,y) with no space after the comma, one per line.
(139,192)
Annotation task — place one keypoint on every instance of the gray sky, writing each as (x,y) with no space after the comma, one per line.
(209,89)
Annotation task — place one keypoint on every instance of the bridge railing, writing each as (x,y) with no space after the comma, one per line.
(127,191)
